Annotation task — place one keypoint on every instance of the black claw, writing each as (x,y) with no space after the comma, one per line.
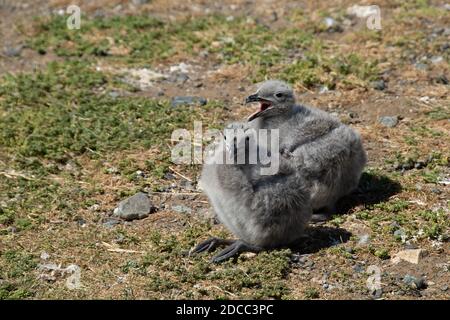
(234,249)
(209,245)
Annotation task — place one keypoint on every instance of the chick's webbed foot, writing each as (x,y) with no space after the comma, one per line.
(233,249)
(210,244)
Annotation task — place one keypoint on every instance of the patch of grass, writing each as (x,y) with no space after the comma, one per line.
(311,293)
(317,69)
(57,113)
(15,268)
(260,277)
(430,176)
(383,254)
(393,206)
(436,224)
(148,41)
(52,117)
(439,113)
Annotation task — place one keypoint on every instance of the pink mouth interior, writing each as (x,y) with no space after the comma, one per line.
(263,106)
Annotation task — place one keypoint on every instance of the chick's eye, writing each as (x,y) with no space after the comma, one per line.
(279,95)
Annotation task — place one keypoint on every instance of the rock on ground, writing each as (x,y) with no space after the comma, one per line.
(389,122)
(135,207)
(410,255)
(190,101)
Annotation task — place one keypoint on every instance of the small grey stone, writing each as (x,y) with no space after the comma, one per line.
(99,13)
(436,59)
(349,250)
(378,85)
(419,164)
(169,176)
(135,207)
(364,239)
(109,223)
(444,288)
(394,225)
(181,209)
(139,174)
(421,66)
(181,78)
(114,94)
(408,164)
(377,294)
(442,79)
(329,22)
(415,282)
(323,89)
(397,166)
(358,268)
(332,25)
(436,191)
(12,51)
(388,121)
(273,17)
(120,238)
(299,258)
(11,229)
(188,100)
(44,255)
(139,2)
(399,233)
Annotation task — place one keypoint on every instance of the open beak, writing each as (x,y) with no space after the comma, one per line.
(264,105)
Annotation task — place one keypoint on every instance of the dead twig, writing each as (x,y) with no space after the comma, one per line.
(179,174)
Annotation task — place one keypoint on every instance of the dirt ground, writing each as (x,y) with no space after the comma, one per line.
(86,122)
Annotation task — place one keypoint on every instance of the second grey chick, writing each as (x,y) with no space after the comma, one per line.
(321,161)
(328,154)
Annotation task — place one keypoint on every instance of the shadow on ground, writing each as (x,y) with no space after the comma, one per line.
(320,237)
(372,189)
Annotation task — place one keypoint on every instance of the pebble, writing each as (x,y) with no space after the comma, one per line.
(135,207)
(364,239)
(410,255)
(110,222)
(388,121)
(332,25)
(139,2)
(420,66)
(114,94)
(181,209)
(188,100)
(436,191)
(358,268)
(12,51)
(442,79)
(399,233)
(44,255)
(378,85)
(415,282)
(436,59)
